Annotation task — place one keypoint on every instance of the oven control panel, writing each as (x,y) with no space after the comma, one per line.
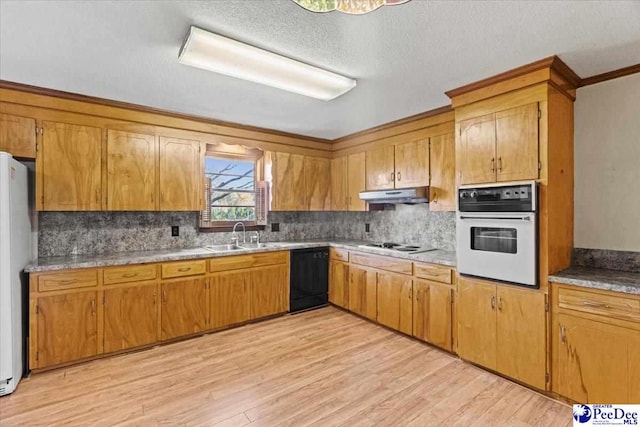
(498,198)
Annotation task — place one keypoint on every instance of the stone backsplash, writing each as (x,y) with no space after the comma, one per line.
(607,259)
(67,233)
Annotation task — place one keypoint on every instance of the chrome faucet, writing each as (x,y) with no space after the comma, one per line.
(256,236)
(234,235)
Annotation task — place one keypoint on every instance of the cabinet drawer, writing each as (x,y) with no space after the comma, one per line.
(67,280)
(247,261)
(383,263)
(184,268)
(433,272)
(133,273)
(620,307)
(339,254)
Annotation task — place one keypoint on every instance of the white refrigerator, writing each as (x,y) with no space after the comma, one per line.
(15,253)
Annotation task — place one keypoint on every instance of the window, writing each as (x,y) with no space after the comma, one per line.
(230,185)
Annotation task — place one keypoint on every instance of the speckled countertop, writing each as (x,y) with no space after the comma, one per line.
(438,256)
(598,278)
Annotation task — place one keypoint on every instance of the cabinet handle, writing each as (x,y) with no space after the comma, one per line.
(493,302)
(435,196)
(129,275)
(68,281)
(350,200)
(164,297)
(392,176)
(596,304)
(183,269)
(499,164)
(493,164)
(410,293)
(563,334)
(93,307)
(97,196)
(399,176)
(154,298)
(500,303)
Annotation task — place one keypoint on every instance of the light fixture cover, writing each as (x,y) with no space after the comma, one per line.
(223,55)
(353,7)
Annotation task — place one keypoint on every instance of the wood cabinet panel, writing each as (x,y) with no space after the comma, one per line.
(517,143)
(521,335)
(180,175)
(61,281)
(70,168)
(380,168)
(288,189)
(130,273)
(432,313)
(339,254)
(131,171)
(18,136)
(356,181)
(477,150)
(614,306)
(184,268)
(634,369)
(395,302)
(247,261)
(442,186)
(269,290)
(185,307)
(230,302)
(130,317)
(433,272)
(339,184)
(477,322)
(363,292)
(339,283)
(412,163)
(67,328)
(382,262)
(317,181)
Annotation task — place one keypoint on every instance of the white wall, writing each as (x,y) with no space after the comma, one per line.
(607,165)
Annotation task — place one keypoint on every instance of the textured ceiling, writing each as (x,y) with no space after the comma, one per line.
(404,57)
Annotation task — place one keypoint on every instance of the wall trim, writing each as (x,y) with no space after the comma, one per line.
(610,75)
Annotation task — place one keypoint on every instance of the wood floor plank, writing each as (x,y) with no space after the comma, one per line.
(324,368)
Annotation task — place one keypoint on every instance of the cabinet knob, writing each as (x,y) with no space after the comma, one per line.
(493,164)
(499,164)
(399,176)
(493,302)
(563,334)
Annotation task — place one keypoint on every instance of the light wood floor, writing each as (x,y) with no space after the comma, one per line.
(324,367)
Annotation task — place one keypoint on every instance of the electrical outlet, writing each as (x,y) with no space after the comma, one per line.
(275,226)
(175,230)
(367,228)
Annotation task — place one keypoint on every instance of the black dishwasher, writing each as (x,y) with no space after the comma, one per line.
(309,278)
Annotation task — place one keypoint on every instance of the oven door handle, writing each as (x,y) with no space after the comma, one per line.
(515,218)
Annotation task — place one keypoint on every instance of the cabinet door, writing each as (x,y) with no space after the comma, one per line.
(517,143)
(130,317)
(180,175)
(395,302)
(317,179)
(432,313)
(634,366)
(184,308)
(362,292)
(380,168)
(339,284)
(442,188)
(229,299)
(269,290)
(288,190)
(18,136)
(67,328)
(521,335)
(71,167)
(476,309)
(412,163)
(477,150)
(356,181)
(131,171)
(339,184)
(590,363)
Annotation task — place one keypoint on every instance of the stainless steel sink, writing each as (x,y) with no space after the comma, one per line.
(257,245)
(224,248)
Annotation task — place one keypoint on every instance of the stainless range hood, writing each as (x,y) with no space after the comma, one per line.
(398,196)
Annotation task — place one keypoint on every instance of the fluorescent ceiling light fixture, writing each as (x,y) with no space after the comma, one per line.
(223,55)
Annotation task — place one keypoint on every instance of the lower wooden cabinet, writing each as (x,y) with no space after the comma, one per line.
(230,303)
(67,328)
(185,308)
(339,283)
(269,290)
(363,292)
(432,313)
(395,301)
(130,317)
(504,329)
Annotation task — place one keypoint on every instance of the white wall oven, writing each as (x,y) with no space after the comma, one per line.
(497,232)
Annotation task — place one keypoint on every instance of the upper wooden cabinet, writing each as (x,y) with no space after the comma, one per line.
(339,184)
(18,136)
(412,163)
(348,179)
(131,171)
(68,167)
(380,168)
(317,179)
(180,175)
(288,187)
(442,187)
(501,146)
